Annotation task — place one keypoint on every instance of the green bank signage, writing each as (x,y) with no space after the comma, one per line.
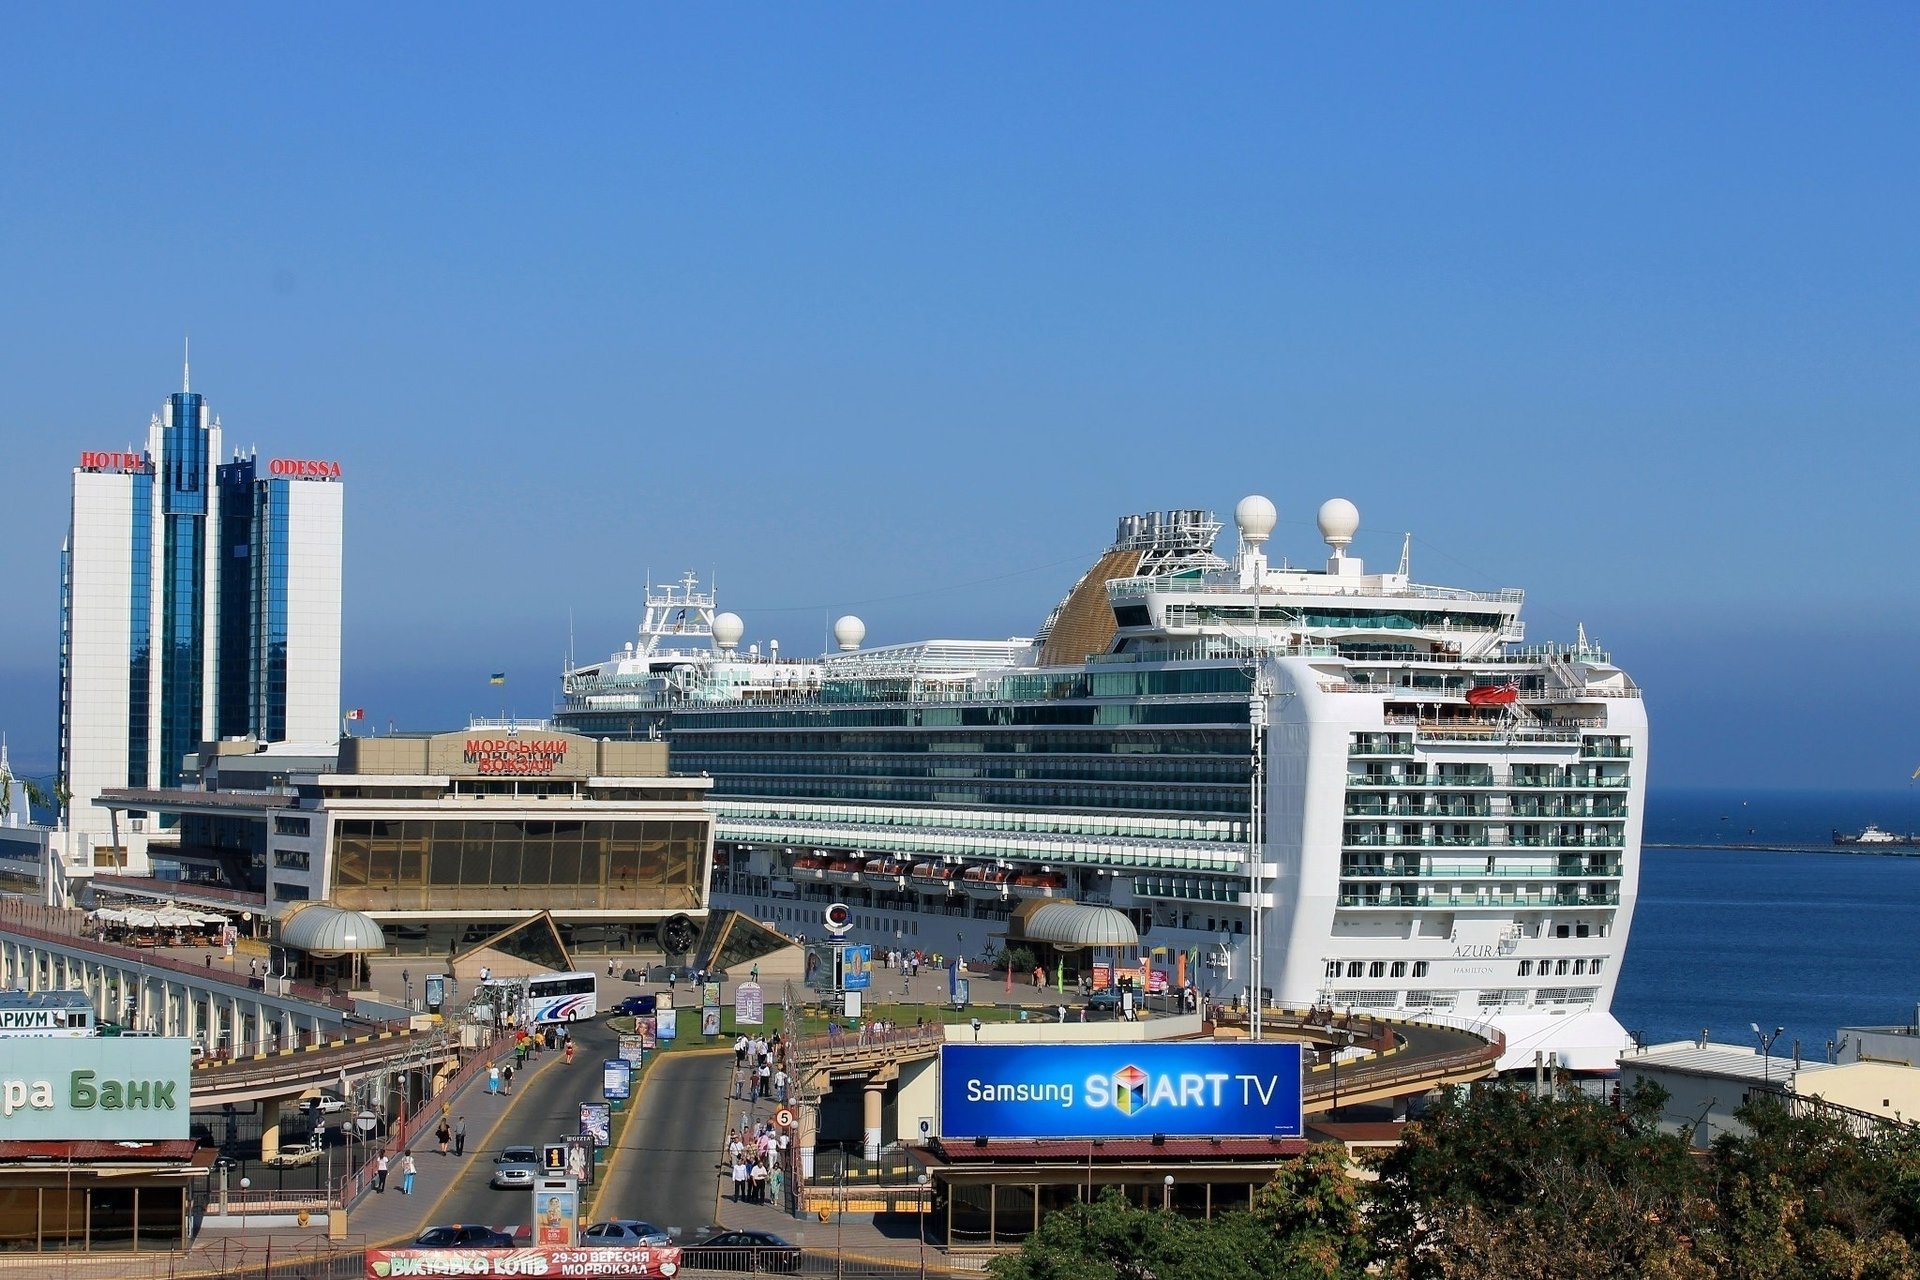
(136,1088)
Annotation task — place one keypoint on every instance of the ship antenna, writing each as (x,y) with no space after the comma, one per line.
(1406,555)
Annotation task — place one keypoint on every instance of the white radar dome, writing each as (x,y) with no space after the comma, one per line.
(727,630)
(1255,517)
(1339,520)
(848,632)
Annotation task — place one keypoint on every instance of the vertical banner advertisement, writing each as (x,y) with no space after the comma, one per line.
(579,1159)
(710,995)
(596,1122)
(710,1020)
(556,1213)
(749,1005)
(634,1049)
(616,1079)
(856,966)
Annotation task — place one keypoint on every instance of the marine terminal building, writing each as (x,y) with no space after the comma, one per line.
(447,839)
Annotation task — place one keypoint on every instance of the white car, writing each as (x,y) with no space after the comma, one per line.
(326,1104)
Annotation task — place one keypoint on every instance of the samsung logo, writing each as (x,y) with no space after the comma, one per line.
(981,1091)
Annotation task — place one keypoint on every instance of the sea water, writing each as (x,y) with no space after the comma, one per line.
(1724,939)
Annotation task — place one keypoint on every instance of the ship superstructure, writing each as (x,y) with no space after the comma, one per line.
(1371,788)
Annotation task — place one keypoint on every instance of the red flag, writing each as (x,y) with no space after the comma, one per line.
(1492,695)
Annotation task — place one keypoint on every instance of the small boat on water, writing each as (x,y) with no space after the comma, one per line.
(1874,835)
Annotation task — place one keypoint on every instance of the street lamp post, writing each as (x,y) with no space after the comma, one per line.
(1766,1049)
(925,1208)
(1166,1194)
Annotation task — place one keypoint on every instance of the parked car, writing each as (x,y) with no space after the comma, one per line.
(293,1157)
(638,1006)
(515,1167)
(741,1251)
(624,1233)
(1106,1000)
(464,1235)
(326,1104)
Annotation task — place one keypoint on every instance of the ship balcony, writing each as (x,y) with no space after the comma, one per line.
(1485,779)
(1570,869)
(1471,901)
(1384,745)
(1571,784)
(1365,810)
(1595,812)
(1185,890)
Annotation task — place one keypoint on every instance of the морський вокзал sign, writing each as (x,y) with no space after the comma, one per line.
(1198,1090)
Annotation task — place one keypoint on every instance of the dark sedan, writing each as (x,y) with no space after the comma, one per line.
(638,1006)
(742,1251)
(464,1236)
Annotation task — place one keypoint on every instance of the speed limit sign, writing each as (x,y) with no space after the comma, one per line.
(784,1118)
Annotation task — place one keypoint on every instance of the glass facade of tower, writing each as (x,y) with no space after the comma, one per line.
(233,718)
(268,669)
(183,495)
(140,638)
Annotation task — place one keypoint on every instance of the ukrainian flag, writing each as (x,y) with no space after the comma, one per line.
(498,677)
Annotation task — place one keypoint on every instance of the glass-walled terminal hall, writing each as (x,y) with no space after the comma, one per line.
(446,839)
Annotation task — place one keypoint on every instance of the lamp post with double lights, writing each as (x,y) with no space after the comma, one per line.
(1766,1049)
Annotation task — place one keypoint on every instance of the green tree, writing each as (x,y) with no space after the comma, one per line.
(1113,1240)
(1315,1211)
(1495,1181)
(1800,1197)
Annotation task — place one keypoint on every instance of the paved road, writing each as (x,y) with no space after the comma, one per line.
(546,1109)
(667,1170)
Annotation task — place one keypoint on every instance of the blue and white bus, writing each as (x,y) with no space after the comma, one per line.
(551,997)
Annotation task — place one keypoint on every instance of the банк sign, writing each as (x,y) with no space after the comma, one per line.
(1198,1090)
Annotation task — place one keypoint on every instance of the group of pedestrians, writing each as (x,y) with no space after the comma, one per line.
(757,1157)
(760,1068)
(382,1166)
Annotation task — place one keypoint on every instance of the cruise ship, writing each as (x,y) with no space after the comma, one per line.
(1335,787)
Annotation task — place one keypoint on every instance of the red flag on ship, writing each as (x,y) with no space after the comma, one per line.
(1492,695)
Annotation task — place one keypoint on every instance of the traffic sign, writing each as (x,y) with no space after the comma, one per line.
(784,1118)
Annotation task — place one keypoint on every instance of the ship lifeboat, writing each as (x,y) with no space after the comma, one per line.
(810,867)
(843,871)
(982,881)
(883,871)
(935,876)
(1039,884)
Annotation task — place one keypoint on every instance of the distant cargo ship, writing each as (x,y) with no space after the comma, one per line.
(1874,835)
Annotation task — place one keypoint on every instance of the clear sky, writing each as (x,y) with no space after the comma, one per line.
(893,309)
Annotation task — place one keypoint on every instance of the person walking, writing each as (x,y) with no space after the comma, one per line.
(444,1136)
(493,1079)
(506,1080)
(757,1176)
(739,1178)
(407,1170)
(380,1174)
(609,966)
(460,1136)
(569,1053)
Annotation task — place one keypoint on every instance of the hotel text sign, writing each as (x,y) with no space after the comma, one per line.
(1199,1089)
(92,461)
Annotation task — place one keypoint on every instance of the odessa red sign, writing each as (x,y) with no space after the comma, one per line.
(304,469)
(516,755)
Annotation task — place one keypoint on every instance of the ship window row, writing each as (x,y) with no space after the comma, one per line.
(902,715)
(1191,615)
(1427,999)
(1472,805)
(1037,768)
(1168,828)
(1193,798)
(1574,966)
(1573,779)
(1225,744)
(1359,893)
(1440,869)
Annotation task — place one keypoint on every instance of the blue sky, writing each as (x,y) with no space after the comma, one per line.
(893,309)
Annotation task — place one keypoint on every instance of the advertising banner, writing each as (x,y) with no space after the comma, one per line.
(1102,975)
(749,1005)
(481,1264)
(633,1049)
(596,1122)
(616,1079)
(709,995)
(436,991)
(856,966)
(649,1036)
(710,1021)
(556,1213)
(820,970)
(580,1159)
(1186,1090)
(132,1088)
(667,1024)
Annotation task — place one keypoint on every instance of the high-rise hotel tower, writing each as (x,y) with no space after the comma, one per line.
(199,599)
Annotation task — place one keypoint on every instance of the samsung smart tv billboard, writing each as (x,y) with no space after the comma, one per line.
(1175,1090)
